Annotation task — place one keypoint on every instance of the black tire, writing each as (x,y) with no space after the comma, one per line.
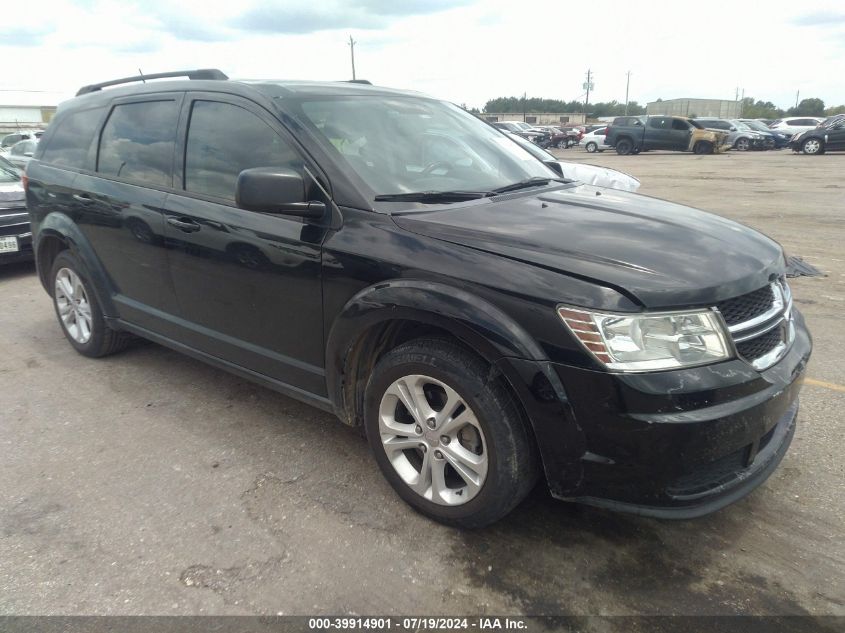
(592,147)
(703,147)
(742,144)
(512,468)
(103,340)
(812,147)
(624,147)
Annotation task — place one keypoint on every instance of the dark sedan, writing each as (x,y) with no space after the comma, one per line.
(828,137)
(15,233)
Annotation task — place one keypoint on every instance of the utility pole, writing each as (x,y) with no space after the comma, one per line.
(588,85)
(627,85)
(797,93)
(524,105)
(352,52)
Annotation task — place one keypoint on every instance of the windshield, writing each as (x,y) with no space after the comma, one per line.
(8,172)
(739,125)
(405,145)
(757,125)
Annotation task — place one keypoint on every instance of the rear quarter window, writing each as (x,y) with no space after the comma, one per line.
(70,142)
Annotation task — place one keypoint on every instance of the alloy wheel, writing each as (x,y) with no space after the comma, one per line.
(812,146)
(74,307)
(433,440)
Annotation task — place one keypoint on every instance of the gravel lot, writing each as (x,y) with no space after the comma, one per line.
(149,483)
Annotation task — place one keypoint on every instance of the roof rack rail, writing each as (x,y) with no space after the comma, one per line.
(202,73)
(360,81)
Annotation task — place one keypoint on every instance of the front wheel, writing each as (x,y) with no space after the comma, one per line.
(79,311)
(592,147)
(447,436)
(812,146)
(742,145)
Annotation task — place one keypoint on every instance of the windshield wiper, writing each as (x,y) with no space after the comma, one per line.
(432,197)
(524,184)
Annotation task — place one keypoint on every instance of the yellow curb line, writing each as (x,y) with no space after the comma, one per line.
(826,385)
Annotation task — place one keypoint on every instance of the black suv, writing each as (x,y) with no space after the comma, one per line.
(395,260)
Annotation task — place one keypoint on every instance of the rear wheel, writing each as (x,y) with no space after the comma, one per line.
(78,310)
(812,146)
(448,438)
(591,147)
(624,147)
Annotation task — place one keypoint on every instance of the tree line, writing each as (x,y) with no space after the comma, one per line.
(751,108)
(538,104)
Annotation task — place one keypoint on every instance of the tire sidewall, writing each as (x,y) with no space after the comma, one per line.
(592,147)
(477,396)
(66,259)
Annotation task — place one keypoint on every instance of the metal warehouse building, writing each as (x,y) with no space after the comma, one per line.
(25,110)
(720,108)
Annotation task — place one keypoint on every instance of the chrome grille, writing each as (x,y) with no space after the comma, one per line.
(753,304)
(760,323)
(759,346)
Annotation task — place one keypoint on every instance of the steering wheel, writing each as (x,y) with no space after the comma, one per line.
(435,165)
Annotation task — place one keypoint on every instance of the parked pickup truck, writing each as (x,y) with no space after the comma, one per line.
(633,134)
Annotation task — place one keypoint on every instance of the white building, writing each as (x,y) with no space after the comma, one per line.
(22,110)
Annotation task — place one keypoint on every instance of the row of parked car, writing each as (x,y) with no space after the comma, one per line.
(703,135)
(630,135)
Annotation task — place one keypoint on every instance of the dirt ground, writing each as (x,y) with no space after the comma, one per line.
(149,483)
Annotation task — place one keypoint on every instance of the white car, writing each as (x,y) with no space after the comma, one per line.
(795,125)
(588,174)
(594,141)
(21,135)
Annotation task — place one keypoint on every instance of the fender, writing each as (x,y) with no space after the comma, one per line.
(471,319)
(59,225)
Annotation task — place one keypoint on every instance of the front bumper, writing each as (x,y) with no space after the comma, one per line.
(675,444)
(15,222)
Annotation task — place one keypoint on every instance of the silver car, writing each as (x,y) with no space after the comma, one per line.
(22,152)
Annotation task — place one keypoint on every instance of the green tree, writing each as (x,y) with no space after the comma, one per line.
(760,109)
(538,104)
(840,109)
(808,107)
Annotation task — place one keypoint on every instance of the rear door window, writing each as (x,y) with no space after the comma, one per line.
(137,142)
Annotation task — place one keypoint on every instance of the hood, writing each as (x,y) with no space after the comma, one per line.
(11,192)
(662,255)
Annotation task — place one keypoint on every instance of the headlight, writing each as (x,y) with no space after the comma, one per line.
(649,342)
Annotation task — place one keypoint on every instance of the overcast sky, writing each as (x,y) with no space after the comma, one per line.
(465,51)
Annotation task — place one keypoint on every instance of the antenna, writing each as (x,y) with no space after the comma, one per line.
(141,75)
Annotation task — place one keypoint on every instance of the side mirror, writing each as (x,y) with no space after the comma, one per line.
(275,190)
(733,128)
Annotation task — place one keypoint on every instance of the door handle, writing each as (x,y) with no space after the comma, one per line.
(188,226)
(83,198)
